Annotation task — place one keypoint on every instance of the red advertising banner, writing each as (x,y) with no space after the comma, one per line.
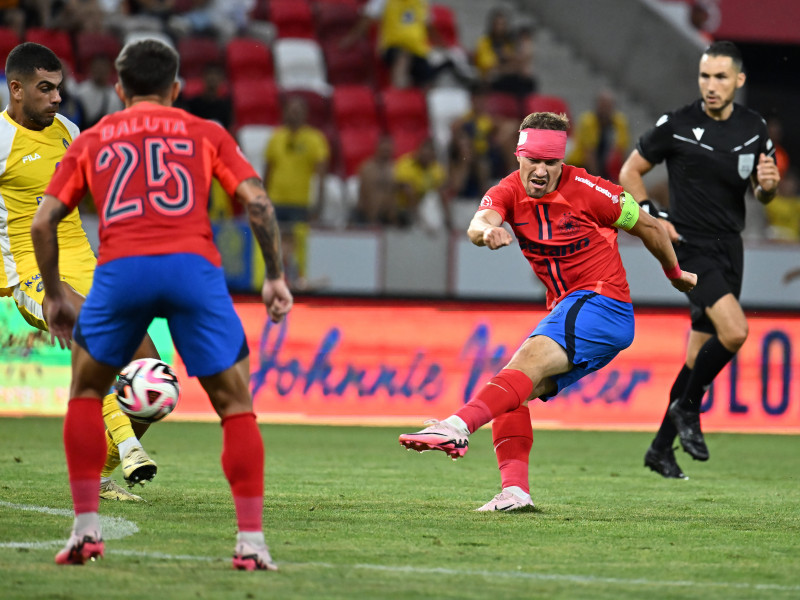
(768,21)
(373,362)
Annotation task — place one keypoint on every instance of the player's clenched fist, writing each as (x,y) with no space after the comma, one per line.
(685,283)
(496,237)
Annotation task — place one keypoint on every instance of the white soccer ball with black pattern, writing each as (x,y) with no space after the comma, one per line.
(147,390)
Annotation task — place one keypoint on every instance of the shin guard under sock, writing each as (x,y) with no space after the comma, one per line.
(243,465)
(512,435)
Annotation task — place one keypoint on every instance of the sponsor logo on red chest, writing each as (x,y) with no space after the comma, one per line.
(614,197)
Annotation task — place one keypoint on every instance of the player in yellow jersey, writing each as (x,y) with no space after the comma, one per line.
(33,139)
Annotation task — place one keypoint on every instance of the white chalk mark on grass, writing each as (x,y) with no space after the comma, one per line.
(114,528)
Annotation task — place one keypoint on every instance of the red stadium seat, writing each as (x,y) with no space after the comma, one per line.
(351,65)
(196,53)
(357,145)
(183,6)
(319,107)
(292,18)
(407,140)
(354,107)
(335,161)
(544,103)
(247,58)
(404,110)
(8,40)
(88,45)
(260,11)
(334,20)
(194,86)
(443,21)
(58,41)
(256,102)
(506,106)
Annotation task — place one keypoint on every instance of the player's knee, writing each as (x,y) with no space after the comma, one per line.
(735,338)
(230,401)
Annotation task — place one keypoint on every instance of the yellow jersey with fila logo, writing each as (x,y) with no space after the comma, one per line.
(27,161)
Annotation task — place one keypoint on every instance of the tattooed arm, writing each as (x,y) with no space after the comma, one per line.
(274,292)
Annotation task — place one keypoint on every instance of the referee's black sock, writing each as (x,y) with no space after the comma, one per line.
(711,359)
(667,432)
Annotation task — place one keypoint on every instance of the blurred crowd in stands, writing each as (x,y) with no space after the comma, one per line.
(358,113)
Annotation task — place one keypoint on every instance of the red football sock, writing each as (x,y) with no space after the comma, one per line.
(504,392)
(85,447)
(512,434)
(243,465)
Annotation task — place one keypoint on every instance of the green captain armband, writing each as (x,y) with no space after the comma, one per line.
(630,212)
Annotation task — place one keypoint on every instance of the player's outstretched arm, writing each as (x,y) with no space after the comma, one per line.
(631,175)
(656,240)
(275,293)
(59,314)
(486,229)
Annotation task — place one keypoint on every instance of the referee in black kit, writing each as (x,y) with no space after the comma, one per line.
(714,148)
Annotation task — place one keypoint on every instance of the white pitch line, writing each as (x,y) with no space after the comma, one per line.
(117,528)
(114,528)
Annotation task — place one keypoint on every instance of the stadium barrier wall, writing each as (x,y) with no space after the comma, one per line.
(380,362)
(395,262)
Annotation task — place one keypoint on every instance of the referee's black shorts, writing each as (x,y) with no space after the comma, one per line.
(718,264)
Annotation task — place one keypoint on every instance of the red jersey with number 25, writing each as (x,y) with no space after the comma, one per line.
(568,235)
(149,169)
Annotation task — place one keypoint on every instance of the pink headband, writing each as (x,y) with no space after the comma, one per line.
(545,144)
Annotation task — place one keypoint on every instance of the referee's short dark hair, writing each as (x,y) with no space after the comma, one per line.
(725,48)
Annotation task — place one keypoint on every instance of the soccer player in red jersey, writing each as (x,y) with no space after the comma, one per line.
(565,222)
(149,169)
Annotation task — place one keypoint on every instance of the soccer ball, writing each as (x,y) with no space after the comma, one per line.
(147,390)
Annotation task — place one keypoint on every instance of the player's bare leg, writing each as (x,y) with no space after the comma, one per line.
(122,436)
(85,447)
(242,462)
(527,375)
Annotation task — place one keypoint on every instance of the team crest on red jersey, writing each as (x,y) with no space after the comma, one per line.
(486,202)
(567,223)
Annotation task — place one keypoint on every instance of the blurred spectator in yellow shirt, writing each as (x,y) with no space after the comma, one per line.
(296,164)
(504,55)
(601,138)
(403,40)
(783,212)
(478,145)
(421,198)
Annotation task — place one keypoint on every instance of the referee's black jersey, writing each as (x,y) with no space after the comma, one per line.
(709,165)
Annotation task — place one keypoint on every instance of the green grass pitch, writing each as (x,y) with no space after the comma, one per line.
(351,514)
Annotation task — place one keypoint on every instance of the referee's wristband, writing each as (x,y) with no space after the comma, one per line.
(653,210)
(673,273)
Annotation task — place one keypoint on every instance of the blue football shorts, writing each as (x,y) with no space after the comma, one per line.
(185,289)
(592,329)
